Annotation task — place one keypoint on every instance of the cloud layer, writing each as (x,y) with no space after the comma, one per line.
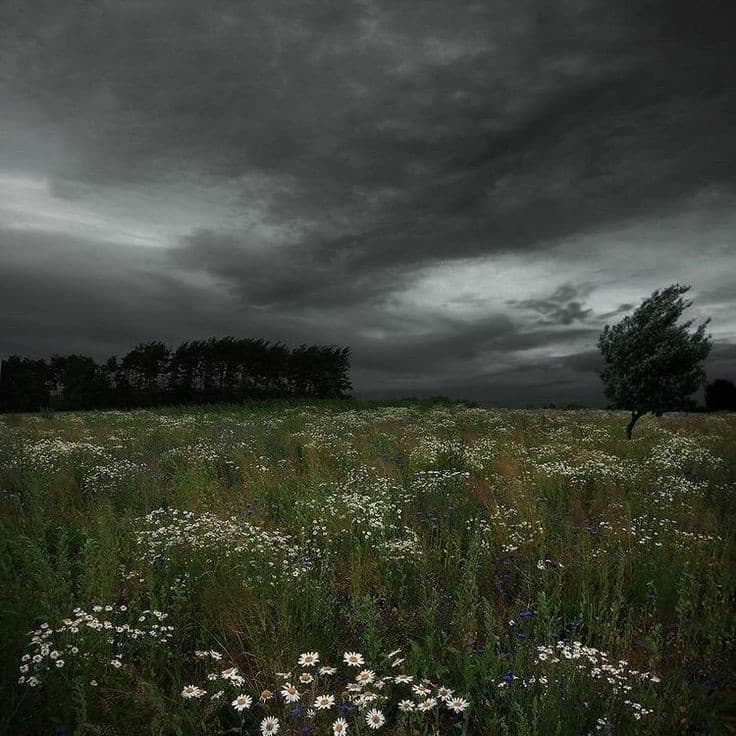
(464,192)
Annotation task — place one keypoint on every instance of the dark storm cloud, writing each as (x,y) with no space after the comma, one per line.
(69,294)
(622,309)
(462,345)
(366,141)
(561,308)
(78,296)
(721,362)
(302,275)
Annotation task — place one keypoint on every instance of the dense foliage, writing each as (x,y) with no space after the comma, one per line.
(304,570)
(652,363)
(218,369)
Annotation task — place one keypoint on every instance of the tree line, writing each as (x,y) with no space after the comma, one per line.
(226,369)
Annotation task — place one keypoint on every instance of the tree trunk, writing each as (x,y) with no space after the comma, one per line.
(635,417)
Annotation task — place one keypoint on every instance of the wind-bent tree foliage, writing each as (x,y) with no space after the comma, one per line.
(720,395)
(652,363)
(218,369)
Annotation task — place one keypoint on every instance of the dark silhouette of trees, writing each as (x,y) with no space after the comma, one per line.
(218,369)
(76,382)
(24,384)
(141,376)
(652,363)
(720,395)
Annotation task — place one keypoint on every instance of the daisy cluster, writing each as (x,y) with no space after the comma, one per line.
(431,481)
(590,434)
(580,467)
(653,531)
(432,451)
(667,491)
(320,437)
(314,693)
(205,453)
(110,476)
(505,528)
(349,423)
(101,636)
(481,454)
(268,554)
(509,679)
(616,677)
(680,454)
(363,508)
(49,455)
(168,421)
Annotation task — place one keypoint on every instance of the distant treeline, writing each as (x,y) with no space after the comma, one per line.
(219,369)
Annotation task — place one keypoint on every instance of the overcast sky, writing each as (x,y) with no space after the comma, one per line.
(464,192)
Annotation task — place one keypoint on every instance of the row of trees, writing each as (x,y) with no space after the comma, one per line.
(219,369)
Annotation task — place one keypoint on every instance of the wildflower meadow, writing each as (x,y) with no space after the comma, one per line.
(348,568)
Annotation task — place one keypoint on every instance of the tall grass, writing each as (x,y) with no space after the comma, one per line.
(560,578)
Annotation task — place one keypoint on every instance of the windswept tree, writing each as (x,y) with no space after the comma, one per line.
(653,363)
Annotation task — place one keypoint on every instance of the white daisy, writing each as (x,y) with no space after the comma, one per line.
(242,702)
(458,704)
(366,677)
(306,678)
(340,726)
(427,704)
(327,670)
(308,659)
(324,701)
(375,719)
(353,659)
(406,705)
(192,691)
(290,693)
(270,725)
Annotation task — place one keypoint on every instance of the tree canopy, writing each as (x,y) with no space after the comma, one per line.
(652,361)
(226,369)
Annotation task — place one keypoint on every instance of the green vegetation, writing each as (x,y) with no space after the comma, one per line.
(653,363)
(556,577)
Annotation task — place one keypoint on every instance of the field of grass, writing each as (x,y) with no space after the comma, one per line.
(556,578)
